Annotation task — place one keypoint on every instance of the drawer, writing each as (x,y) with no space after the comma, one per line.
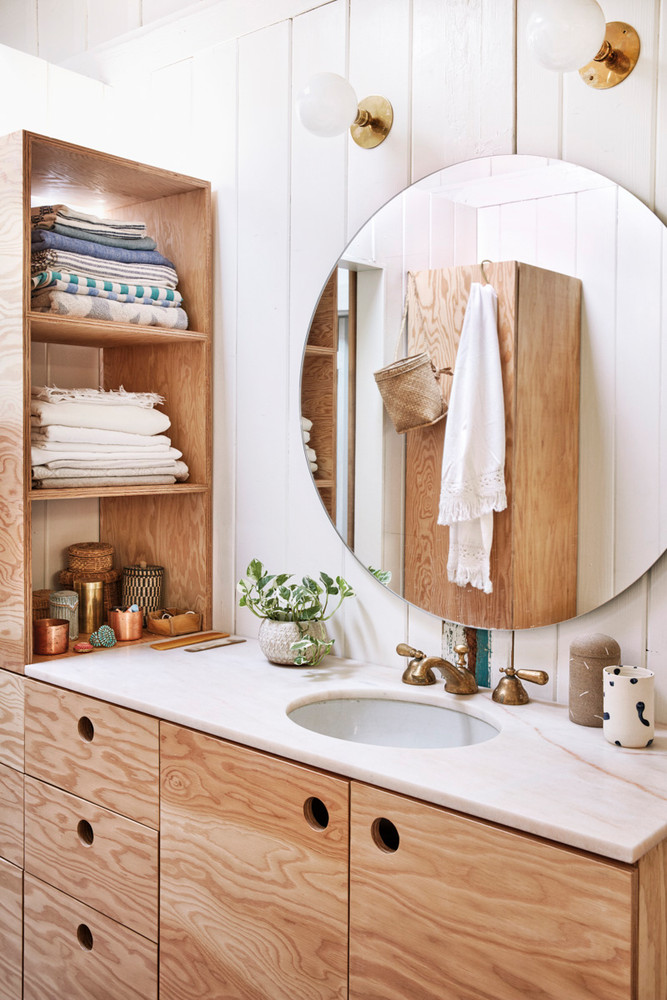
(11,930)
(72,952)
(105,754)
(11,816)
(105,860)
(11,719)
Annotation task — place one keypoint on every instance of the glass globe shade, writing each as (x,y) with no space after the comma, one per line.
(565,35)
(327,105)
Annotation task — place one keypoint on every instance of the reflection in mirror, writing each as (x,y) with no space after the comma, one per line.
(531,218)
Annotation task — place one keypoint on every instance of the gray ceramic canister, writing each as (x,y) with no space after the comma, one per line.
(588,655)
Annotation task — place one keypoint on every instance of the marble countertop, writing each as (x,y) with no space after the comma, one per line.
(540,774)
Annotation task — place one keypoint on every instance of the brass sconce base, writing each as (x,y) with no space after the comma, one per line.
(616,59)
(373,122)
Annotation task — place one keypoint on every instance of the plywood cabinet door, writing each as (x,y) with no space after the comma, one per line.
(253,874)
(11,931)
(443,907)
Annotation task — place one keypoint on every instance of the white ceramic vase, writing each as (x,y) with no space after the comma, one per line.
(628,715)
(276,638)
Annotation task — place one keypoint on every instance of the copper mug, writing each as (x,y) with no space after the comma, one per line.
(50,636)
(127,625)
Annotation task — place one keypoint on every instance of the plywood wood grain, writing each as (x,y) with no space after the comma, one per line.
(253,897)
(105,860)
(652,929)
(11,815)
(466,910)
(11,931)
(71,951)
(106,754)
(11,719)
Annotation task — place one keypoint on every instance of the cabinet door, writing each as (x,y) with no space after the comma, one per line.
(11,931)
(444,907)
(253,875)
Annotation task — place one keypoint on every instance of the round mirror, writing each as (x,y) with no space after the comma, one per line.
(576,264)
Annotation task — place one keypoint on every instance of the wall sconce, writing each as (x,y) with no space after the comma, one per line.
(564,34)
(327,106)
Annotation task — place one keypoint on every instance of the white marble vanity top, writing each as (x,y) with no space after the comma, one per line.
(541,774)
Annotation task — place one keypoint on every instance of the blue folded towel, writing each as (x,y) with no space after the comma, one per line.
(42,239)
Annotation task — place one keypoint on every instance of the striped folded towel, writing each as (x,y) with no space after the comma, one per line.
(47,216)
(82,284)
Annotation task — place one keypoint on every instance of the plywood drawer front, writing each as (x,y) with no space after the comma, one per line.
(11,719)
(72,952)
(11,816)
(105,860)
(11,930)
(485,912)
(106,754)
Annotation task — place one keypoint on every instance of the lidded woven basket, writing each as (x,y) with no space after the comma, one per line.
(90,557)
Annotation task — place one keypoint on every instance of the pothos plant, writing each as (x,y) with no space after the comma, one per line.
(271,596)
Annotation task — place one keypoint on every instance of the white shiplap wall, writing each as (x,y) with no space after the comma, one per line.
(287,203)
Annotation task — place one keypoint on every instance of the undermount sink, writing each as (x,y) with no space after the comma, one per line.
(391,722)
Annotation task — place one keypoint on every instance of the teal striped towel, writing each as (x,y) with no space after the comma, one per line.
(81,284)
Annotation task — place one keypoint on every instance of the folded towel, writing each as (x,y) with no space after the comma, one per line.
(63,304)
(136,419)
(94,481)
(306,424)
(44,239)
(63,436)
(92,470)
(106,270)
(473,460)
(127,242)
(310,455)
(82,449)
(101,397)
(46,216)
(137,456)
(81,284)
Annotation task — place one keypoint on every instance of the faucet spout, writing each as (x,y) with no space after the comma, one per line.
(459,679)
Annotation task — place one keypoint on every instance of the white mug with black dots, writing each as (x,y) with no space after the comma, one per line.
(628,718)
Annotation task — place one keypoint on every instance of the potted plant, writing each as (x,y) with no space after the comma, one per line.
(293,629)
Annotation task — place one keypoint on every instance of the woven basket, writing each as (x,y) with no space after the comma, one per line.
(110,579)
(40,604)
(142,585)
(90,557)
(410,392)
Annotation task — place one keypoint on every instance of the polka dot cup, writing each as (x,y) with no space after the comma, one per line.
(628,718)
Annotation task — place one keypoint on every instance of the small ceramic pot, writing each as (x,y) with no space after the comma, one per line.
(276,638)
(628,714)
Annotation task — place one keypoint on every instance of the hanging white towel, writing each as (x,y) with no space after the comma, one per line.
(473,460)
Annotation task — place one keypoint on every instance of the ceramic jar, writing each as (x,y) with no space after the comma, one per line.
(628,706)
(276,638)
(589,655)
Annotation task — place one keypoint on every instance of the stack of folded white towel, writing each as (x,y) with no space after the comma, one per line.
(93,437)
(306,428)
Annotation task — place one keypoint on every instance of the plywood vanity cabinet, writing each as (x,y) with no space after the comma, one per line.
(91,848)
(440,905)
(11,835)
(253,874)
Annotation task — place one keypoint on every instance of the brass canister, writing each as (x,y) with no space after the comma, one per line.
(91,604)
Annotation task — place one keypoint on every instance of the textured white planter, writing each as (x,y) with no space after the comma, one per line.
(628,715)
(276,638)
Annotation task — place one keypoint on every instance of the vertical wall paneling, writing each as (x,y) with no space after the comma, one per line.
(603,129)
(539,96)
(462,81)
(214,79)
(656,641)
(317,239)
(660,112)
(27,109)
(263,300)
(379,63)
(59,36)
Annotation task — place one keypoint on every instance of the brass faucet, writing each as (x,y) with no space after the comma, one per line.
(459,679)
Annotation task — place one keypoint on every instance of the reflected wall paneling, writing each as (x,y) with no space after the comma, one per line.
(538,329)
(318,392)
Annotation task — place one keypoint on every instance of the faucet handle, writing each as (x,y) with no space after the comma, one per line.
(461,651)
(404,650)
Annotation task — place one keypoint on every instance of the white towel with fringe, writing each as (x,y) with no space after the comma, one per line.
(473,460)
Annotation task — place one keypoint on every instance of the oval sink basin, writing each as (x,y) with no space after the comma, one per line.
(391,723)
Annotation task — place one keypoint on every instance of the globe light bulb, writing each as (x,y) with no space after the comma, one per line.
(327,105)
(565,35)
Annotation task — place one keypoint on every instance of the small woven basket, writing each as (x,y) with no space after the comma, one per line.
(90,557)
(40,604)
(410,392)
